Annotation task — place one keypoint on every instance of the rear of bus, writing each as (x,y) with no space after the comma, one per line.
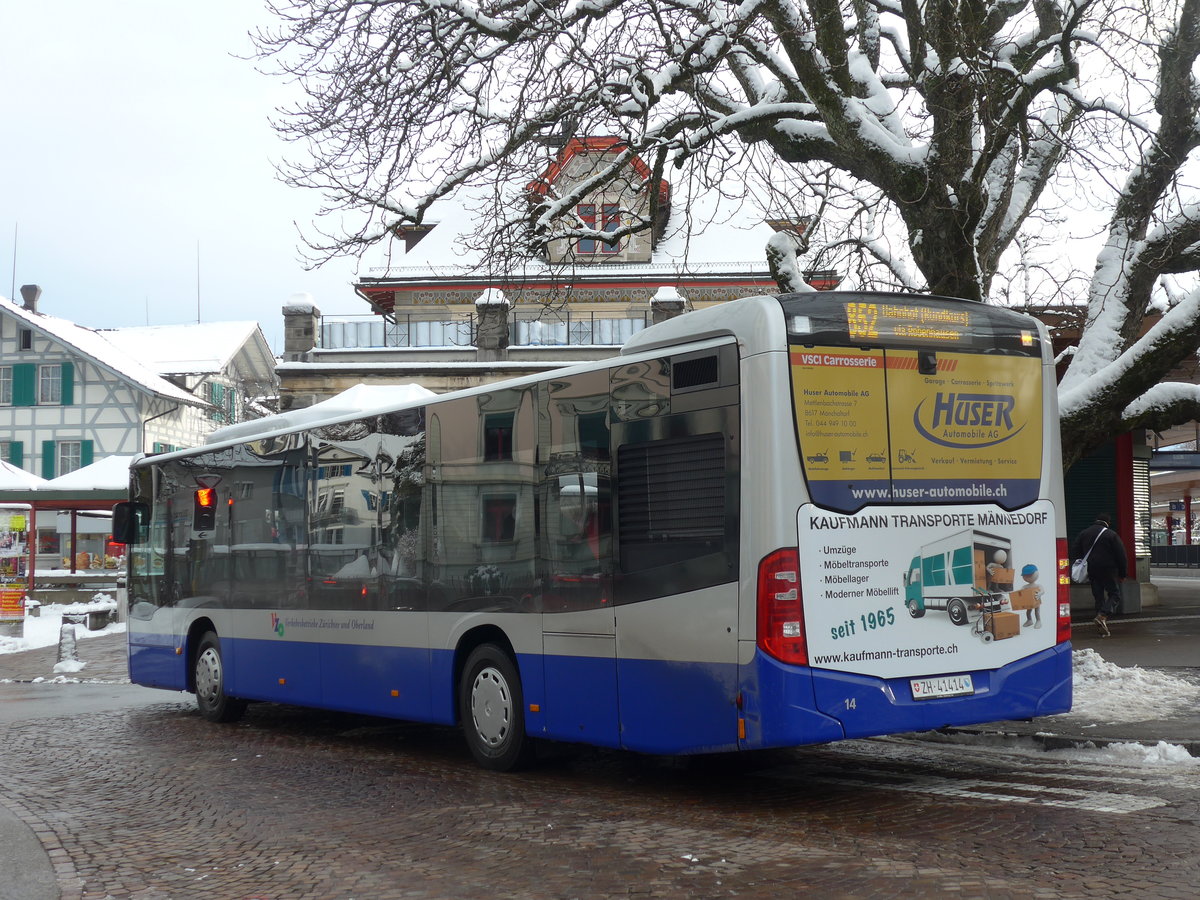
(924,588)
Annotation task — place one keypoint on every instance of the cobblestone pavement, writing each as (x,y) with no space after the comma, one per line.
(154,802)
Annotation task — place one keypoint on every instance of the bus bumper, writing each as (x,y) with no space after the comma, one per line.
(793,705)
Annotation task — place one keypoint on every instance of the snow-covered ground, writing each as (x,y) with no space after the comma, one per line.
(1104,692)
(44,631)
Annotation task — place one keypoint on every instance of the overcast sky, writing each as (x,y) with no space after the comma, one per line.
(134,143)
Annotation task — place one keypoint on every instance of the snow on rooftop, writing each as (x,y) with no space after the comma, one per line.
(196,348)
(108,474)
(13,478)
(360,401)
(93,345)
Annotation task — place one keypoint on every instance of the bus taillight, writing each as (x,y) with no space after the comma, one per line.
(781,608)
(1063,595)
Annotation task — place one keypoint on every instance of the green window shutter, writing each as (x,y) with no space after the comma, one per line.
(16,453)
(68,384)
(24,380)
(86,457)
(48,459)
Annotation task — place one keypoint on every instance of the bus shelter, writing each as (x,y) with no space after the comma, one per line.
(69,540)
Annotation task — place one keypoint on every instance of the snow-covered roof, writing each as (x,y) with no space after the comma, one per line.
(93,345)
(108,474)
(202,348)
(360,401)
(13,478)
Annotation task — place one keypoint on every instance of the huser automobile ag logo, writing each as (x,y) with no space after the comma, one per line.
(967,421)
(277,624)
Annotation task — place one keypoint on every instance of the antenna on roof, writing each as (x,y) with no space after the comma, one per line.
(197,282)
(12,288)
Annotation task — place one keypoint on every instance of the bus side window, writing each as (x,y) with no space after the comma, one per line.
(575,542)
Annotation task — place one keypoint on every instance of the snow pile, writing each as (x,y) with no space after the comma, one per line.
(1161,754)
(1111,693)
(42,630)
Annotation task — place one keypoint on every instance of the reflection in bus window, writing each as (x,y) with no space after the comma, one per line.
(576,546)
(482,502)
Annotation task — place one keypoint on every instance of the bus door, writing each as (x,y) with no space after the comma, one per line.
(676,487)
(575,561)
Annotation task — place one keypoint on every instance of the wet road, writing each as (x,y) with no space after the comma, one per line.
(150,801)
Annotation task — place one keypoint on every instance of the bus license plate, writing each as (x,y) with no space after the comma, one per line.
(946,686)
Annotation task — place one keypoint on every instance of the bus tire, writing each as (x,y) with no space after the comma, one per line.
(957,611)
(915,611)
(208,674)
(492,709)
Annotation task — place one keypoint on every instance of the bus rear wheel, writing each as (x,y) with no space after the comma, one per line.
(208,675)
(492,709)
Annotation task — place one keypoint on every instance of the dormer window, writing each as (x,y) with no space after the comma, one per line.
(609,220)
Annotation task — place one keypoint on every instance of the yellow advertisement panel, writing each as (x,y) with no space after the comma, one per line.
(917,426)
(841,410)
(970,430)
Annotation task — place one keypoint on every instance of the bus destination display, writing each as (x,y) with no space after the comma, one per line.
(868,321)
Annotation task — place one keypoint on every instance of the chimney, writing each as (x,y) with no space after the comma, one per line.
(301,327)
(30,294)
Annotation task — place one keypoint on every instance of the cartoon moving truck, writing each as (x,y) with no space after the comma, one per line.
(966,571)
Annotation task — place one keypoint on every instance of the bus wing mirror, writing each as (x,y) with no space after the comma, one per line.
(128,520)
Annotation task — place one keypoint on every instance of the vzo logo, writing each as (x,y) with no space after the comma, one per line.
(277,624)
(967,421)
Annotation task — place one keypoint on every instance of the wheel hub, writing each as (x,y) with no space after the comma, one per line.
(491,706)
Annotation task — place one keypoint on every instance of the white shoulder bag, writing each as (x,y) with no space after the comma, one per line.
(1079,568)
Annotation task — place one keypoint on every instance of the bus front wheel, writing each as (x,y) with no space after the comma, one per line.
(209,677)
(957,611)
(492,708)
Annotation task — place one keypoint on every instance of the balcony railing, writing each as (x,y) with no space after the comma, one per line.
(559,328)
(566,329)
(413,330)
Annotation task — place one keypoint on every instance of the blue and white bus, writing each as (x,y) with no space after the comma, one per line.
(780,521)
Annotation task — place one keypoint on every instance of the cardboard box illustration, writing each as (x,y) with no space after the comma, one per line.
(1005,625)
(1001,579)
(1025,598)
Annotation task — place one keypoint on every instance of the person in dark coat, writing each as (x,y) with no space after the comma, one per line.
(1106,563)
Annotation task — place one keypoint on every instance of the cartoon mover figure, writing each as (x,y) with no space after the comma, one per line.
(1029,598)
(966,573)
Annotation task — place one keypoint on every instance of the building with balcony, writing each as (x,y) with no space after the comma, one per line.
(445,314)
